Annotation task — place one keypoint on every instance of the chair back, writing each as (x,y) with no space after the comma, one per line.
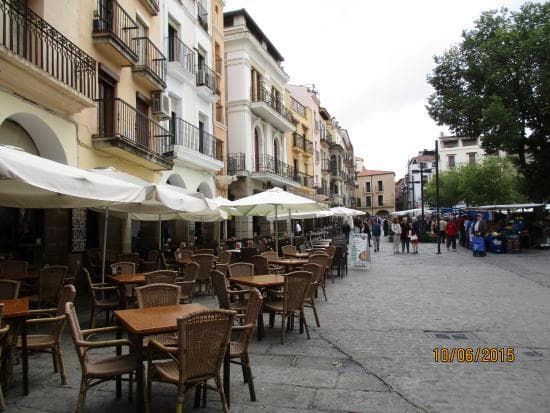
(247,253)
(191,272)
(317,274)
(4,329)
(153,255)
(288,249)
(132,257)
(77,336)
(260,264)
(331,250)
(74,267)
(67,296)
(302,248)
(205,263)
(321,259)
(339,256)
(220,289)
(148,266)
(206,251)
(203,338)
(161,277)
(187,289)
(184,255)
(9,289)
(89,284)
(253,308)
(14,267)
(51,282)
(224,257)
(296,284)
(240,268)
(269,255)
(123,267)
(157,295)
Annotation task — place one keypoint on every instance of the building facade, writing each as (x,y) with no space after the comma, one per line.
(459,150)
(419,171)
(375,192)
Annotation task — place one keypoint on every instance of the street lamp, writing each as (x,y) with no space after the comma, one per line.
(437,193)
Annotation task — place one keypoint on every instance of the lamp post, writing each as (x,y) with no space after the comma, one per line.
(437,193)
(422,198)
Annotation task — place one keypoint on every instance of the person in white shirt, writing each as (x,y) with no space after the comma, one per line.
(396,229)
(298,230)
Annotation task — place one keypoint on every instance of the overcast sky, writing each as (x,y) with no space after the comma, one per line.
(369,61)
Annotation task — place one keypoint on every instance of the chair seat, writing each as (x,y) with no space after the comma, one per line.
(165,339)
(235,349)
(167,371)
(112,366)
(38,341)
(275,305)
(110,303)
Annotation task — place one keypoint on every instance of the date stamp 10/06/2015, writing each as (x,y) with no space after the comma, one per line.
(474,355)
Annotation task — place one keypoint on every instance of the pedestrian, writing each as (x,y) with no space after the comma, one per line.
(365,229)
(441,232)
(396,229)
(376,232)
(451,230)
(346,229)
(405,235)
(415,234)
(298,229)
(386,226)
(480,227)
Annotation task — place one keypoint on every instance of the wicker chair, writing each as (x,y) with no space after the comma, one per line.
(205,262)
(153,255)
(14,267)
(100,303)
(191,272)
(239,349)
(148,266)
(302,248)
(9,289)
(50,342)
(288,250)
(225,295)
(185,255)
(292,302)
(260,265)
(164,264)
(50,284)
(187,282)
(3,333)
(158,295)
(331,250)
(98,369)
(240,268)
(206,251)
(224,257)
(309,300)
(123,267)
(74,267)
(273,269)
(203,338)
(323,260)
(161,276)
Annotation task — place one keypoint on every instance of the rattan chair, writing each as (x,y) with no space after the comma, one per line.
(331,250)
(191,272)
(9,289)
(202,342)
(185,255)
(14,267)
(164,264)
(148,266)
(153,255)
(225,296)
(187,289)
(50,341)
(96,370)
(240,268)
(158,295)
(205,262)
(260,265)
(224,257)
(239,349)
(292,302)
(302,248)
(161,277)
(205,251)
(123,267)
(3,335)
(274,269)
(288,249)
(309,300)
(50,284)
(99,301)
(323,260)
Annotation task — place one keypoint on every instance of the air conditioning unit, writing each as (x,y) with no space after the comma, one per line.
(161,105)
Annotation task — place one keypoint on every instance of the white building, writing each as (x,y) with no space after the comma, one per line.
(458,150)
(257,118)
(419,166)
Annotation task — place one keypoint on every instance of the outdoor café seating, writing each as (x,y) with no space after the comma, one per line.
(311,291)
(161,276)
(205,261)
(3,333)
(100,300)
(9,289)
(226,297)
(49,286)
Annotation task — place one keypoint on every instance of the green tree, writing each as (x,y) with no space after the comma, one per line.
(496,83)
(449,189)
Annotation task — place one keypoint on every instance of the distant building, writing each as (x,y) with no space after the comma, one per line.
(375,192)
(423,164)
(459,150)
(401,194)
(359,164)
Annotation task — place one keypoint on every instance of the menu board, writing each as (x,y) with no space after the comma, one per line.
(360,253)
(78,230)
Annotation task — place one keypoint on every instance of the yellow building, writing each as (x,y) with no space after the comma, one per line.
(375,192)
(299,145)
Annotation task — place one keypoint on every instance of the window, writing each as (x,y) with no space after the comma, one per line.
(368,204)
(380,186)
(380,200)
(358,202)
(472,158)
(451,161)
(367,189)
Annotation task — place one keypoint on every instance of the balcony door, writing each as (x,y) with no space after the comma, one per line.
(142,122)
(276,156)
(106,108)
(257,150)
(201,136)
(172,43)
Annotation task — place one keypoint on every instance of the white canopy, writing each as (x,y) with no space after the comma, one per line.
(321,213)
(346,212)
(273,201)
(29,181)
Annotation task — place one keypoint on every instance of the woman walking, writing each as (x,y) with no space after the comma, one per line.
(415,234)
(405,229)
(396,229)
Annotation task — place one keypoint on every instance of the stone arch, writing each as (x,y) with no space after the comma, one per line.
(176,180)
(44,138)
(205,189)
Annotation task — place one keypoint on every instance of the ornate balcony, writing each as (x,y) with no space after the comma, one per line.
(202,16)
(197,148)
(125,133)
(236,164)
(207,82)
(150,70)
(181,59)
(271,109)
(298,142)
(267,168)
(114,31)
(40,64)
(325,165)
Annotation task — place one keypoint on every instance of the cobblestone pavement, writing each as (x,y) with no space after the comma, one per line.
(374,351)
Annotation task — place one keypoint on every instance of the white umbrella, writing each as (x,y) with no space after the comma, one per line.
(272,201)
(29,181)
(321,213)
(346,212)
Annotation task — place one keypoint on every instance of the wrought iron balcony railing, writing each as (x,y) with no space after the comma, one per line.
(179,52)
(268,163)
(308,146)
(298,107)
(207,77)
(29,36)
(304,179)
(110,17)
(236,162)
(263,94)
(202,16)
(325,164)
(193,138)
(116,118)
(150,58)
(298,141)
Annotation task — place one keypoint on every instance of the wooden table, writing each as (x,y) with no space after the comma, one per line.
(260,282)
(297,254)
(124,280)
(142,322)
(290,263)
(16,312)
(28,276)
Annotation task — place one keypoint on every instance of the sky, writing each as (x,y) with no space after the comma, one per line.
(369,61)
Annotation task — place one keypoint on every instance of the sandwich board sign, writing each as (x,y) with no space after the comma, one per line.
(360,253)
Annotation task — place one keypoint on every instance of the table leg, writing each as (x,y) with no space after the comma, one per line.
(260,333)
(227,376)
(118,386)
(140,379)
(25,357)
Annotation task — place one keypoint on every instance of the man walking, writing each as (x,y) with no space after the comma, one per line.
(451,229)
(376,232)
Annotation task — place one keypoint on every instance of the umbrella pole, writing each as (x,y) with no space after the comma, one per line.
(104,244)
(276,232)
(160,242)
(291,229)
